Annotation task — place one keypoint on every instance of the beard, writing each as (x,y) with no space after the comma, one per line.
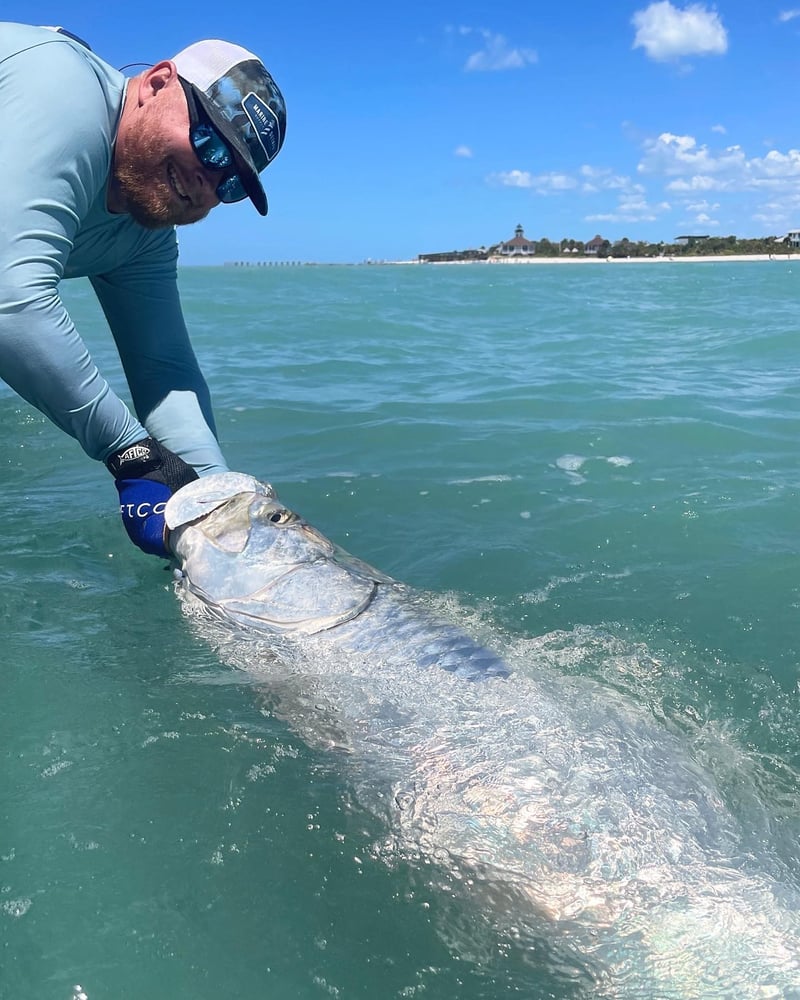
(148,202)
(141,179)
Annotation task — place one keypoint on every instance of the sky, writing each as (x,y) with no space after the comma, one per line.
(433,126)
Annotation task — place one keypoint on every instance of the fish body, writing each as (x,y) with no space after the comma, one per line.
(260,565)
(557,806)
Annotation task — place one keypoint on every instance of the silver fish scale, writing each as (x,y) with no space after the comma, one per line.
(388,627)
(564,812)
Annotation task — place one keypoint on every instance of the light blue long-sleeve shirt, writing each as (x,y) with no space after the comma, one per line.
(59,110)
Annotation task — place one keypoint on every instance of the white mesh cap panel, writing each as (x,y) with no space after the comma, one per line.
(203,63)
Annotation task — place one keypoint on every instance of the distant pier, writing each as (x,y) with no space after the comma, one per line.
(312,263)
(266,263)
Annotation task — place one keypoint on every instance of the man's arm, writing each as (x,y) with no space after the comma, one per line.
(58,114)
(141,303)
(56,125)
(171,398)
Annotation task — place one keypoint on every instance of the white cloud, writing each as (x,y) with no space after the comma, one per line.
(775,218)
(779,216)
(777,165)
(540,183)
(719,128)
(666,32)
(588,179)
(704,186)
(698,222)
(632,205)
(636,204)
(603,179)
(695,168)
(702,207)
(788,15)
(513,178)
(676,155)
(555,182)
(497,53)
(697,183)
(632,209)
(464,151)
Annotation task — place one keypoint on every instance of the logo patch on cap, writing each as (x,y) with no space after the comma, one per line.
(265,124)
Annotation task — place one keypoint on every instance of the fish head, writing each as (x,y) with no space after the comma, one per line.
(255,561)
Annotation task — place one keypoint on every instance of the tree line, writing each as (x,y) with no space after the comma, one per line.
(694,247)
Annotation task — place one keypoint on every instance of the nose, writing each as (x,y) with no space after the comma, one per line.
(206,183)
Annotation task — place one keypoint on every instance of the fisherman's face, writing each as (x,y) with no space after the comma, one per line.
(156,174)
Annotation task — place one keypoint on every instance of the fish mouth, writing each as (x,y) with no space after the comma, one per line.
(203,496)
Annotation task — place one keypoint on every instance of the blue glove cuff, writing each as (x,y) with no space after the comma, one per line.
(141,504)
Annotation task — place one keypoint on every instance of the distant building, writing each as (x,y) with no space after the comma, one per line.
(690,241)
(594,246)
(792,238)
(518,246)
(446,256)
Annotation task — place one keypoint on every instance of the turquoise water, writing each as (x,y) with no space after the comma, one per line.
(601,459)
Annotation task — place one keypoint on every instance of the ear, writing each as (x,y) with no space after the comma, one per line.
(155,79)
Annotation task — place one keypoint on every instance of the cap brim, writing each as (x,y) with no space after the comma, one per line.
(244,161)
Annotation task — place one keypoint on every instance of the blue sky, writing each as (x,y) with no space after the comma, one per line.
(437,126)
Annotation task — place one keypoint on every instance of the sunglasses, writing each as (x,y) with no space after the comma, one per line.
(212,151)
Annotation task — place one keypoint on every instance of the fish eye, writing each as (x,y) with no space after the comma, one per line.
(267,510)
(280,516)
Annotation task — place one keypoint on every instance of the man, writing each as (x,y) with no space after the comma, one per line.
(96,172)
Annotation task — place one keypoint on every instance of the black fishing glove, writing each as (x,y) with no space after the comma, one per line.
(146,475)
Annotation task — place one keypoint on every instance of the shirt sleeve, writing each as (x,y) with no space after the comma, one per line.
(55,151)
(142,305)
(56,146)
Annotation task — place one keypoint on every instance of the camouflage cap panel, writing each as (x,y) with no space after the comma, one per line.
(230,94)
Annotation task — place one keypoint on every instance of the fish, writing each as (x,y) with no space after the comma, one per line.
(260,565)
(558,809)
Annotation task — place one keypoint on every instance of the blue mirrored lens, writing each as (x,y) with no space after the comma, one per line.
(213,153)
(231,190)
(210,149)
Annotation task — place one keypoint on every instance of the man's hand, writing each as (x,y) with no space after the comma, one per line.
(146,475)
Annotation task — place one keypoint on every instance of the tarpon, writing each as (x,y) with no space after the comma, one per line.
(561,807)
(260,565)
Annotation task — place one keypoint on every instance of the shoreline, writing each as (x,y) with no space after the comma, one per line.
(712,258)
(522,261)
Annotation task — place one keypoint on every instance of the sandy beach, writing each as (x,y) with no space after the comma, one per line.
(613,261)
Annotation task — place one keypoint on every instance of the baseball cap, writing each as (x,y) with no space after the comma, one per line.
(243,103)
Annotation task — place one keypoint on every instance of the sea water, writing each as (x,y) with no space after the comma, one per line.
(602,460)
